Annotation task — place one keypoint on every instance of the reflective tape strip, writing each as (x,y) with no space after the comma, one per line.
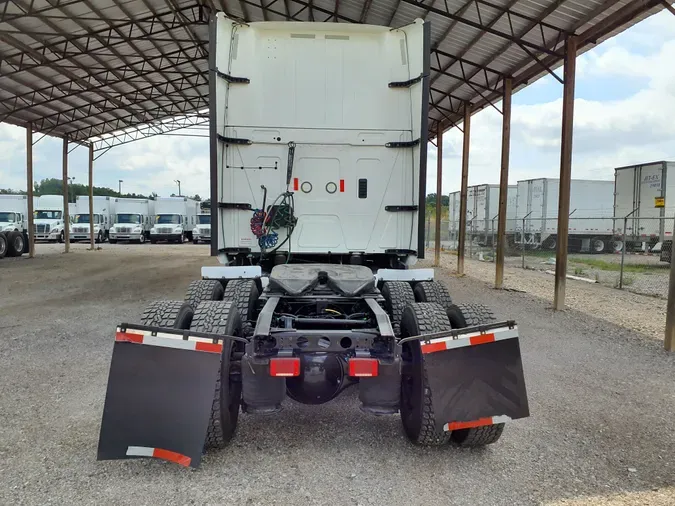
(158,453)
(448,343)
(481,422)
(168,341)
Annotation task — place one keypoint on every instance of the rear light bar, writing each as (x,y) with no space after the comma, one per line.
(363,367)
(285,367)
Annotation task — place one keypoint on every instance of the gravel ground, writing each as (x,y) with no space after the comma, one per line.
(601,424)
(646,315)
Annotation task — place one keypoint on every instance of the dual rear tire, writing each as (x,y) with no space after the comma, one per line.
(12,244)
(432,310)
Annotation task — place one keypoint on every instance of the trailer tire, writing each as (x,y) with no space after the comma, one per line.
(598,245)
(221,317)
(417,409)
(175,314)
(397,295)
(15,244)
(3,245)
(475,314)
(203,289)
(432,291)
(244,294)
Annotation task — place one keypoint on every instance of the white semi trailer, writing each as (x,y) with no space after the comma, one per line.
(133,220)
(48,219)
(591,227)
(13,225)
(104,216)
(175,218)
(645,194)
(481,213)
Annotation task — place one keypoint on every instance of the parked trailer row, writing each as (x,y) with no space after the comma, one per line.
(532,215)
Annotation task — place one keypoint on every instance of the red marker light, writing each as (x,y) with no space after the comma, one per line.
(363,367)
(285,367)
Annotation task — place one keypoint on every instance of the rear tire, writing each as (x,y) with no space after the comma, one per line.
(203,290)
(397,295)
(417,409)
(15,244)
(433,291)
(244,294)
(221,317)
(112,241)
(174,314)
(598,245)
(476,314)
(3,245)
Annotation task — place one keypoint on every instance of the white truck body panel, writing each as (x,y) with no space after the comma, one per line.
(324,87)
(165,207)
(635,188)
(48,220)
(104,217)
(13,213)
(589,201)
(482,207)
(133,219)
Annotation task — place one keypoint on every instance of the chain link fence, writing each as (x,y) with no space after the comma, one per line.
(630,253)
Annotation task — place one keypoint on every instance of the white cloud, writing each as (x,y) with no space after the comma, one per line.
(607,134)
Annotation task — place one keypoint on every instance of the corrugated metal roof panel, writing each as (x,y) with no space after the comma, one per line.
(83,68)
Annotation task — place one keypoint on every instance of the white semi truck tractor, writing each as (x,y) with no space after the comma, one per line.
(104,216)
(133,220)
(318,167)
(175,218)
(13,225)
(48,219)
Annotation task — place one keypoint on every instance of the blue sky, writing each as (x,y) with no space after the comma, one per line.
(624,113)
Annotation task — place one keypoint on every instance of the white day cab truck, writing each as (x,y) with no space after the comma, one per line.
(317,225)
(48,223)
(13,225)
(202,231)
(175,218)
(103,214)
(133,220)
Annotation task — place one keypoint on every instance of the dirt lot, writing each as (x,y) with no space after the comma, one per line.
(600,431)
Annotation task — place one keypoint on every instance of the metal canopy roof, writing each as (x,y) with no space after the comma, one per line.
(116,70)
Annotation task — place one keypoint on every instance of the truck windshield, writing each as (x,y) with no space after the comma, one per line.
(7,217)
(84,218)
(205,220)
(168,218)
(128,218)
(47,215)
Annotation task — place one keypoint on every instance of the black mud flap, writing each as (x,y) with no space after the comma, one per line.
(159,398)
(476,379)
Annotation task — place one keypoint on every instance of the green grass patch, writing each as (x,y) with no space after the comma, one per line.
(603,265)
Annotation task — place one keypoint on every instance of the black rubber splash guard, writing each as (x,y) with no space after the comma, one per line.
(476,382)
(158,403)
